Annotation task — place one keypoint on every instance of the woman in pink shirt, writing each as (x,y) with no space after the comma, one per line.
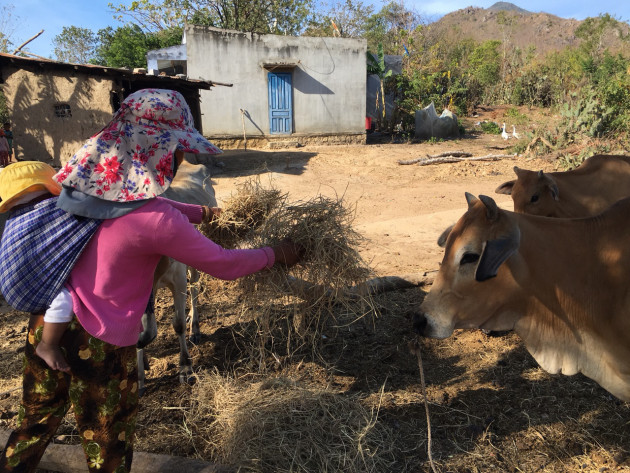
(116,177)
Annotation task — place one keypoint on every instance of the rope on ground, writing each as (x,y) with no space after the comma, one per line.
(416,349)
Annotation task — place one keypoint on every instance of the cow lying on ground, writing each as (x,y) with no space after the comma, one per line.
(561,284)
(597,183)
(192,185)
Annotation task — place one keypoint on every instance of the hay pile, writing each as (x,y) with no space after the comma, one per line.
(287,309)
(242,213)
(281,426)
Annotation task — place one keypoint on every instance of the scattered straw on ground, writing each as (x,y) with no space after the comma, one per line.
(282,426)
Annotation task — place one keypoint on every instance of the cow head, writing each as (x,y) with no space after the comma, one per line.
(472,282)
(534,193)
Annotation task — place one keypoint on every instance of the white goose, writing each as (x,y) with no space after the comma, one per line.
(514,134)
(504,135)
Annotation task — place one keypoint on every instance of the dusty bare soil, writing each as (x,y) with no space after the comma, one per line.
(492,408)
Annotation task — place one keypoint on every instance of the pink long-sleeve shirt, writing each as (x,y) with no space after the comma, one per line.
(112,280)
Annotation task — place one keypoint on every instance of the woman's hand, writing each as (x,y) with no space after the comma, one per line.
(288,252)
(210,213)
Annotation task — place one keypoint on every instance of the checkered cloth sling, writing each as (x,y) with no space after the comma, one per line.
(40,245)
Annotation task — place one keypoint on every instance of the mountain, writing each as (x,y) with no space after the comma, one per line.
(518,27)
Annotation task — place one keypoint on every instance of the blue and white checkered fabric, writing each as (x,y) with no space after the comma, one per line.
(40,245)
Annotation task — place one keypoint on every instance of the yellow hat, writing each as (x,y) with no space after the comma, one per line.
(18,179)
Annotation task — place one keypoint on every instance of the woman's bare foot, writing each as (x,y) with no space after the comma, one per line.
(53,357)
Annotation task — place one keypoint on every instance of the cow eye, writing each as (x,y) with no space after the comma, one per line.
(534,198)
(469,258)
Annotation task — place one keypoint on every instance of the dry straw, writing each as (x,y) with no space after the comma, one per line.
(242,213)
(282,426)
(286,310)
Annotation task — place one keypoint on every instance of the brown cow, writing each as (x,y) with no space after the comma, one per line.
(561,284)
(587,190)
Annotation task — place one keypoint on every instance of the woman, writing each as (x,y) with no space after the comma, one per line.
(116,176)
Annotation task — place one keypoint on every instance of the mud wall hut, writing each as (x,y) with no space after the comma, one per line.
(54,107)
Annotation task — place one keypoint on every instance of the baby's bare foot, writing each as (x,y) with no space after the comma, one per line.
(53,357)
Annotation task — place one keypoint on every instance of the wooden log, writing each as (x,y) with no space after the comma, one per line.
(71,459)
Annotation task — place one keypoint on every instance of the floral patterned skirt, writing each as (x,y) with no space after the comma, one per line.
(102,388)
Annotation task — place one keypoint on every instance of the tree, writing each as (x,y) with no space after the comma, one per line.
(346,19)
(127,46)
(592,32)
(75,45)
(9,24)
(260,16)
(391,27)
(485,63)
(376,65)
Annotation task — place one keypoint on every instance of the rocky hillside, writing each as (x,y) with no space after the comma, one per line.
(518,27)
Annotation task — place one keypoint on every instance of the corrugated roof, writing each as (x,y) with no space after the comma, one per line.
(39,62)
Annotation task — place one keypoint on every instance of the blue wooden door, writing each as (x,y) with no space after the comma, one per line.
(280,103)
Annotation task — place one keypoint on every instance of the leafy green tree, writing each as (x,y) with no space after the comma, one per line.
(261,16)
(485,64)
(75,45)
(391,27)
(593,31)
(127,46)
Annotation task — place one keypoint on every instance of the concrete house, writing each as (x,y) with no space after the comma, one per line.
(284,88)
(54,107)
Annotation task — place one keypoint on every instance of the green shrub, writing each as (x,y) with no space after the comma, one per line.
(491,128)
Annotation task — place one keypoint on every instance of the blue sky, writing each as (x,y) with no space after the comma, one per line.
(51,16)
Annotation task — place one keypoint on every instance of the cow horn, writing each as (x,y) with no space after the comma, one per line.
(491,207)
(471,199)
(551,183)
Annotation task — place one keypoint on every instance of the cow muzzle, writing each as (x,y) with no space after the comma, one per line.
(419,323)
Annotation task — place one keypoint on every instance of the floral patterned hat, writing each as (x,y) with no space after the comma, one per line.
(132,157)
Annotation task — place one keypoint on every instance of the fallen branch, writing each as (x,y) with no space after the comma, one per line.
(536,140)
(9,391)
(488,157)
(71,459)
(307,290)
(456,154)
(26,42)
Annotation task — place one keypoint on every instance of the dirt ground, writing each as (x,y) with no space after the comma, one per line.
(492,408)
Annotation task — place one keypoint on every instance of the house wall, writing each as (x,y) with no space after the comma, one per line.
(39,134)
(328,78)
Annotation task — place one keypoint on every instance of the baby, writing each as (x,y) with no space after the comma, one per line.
(22,184)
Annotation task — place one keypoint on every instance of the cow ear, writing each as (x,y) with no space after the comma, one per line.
(505,188)
(492,211)
(444,236)
(495,253)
